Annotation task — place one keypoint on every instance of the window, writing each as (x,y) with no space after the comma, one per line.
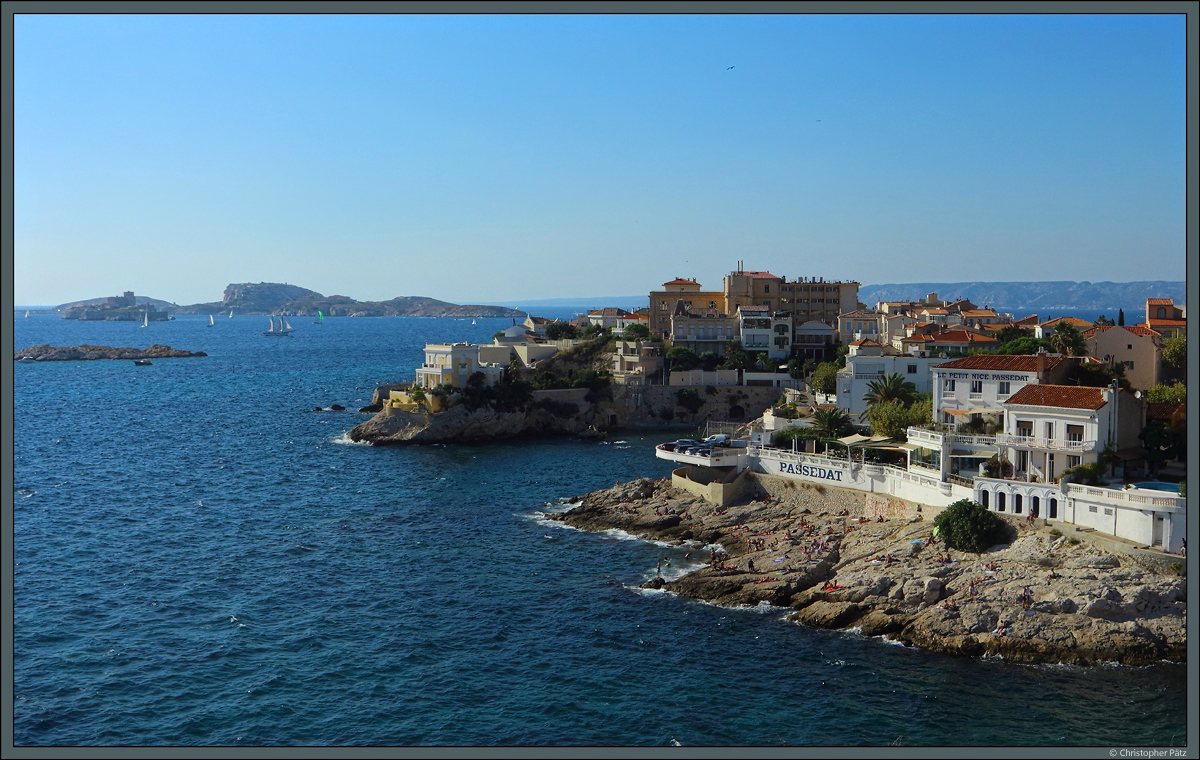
(1073,461)
(912,369)
(1025,428)
(983,495)
(1003,390)
(662,304)
(1129,346)
(1016,504)
(976,386)
(1128,365)
(1049,428)
(1075,433)
(1108,510)
(948,385)
(1092,508)
(1162,313)
(999,501)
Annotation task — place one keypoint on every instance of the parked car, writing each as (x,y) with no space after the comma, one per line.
(717,440)
(685,443)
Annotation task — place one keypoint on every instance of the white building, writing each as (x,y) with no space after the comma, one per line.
(765,331)
(1051,428)
(867,362)
(454,363)
(979,385)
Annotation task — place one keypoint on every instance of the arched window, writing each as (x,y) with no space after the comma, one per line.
(1016,503)
(999,501)
(1054,509)
(1035,507)
(983,497)
(1162,313)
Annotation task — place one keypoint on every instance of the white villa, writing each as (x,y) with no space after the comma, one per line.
(454,363)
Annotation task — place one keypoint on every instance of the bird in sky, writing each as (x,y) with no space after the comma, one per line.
(729,68)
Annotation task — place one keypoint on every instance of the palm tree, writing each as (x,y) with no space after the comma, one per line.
(890,387)
(1066,340)
(830,423)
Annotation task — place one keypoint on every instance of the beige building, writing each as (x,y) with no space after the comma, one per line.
(635,362)
(454,363)
(806,299)
(1137,347)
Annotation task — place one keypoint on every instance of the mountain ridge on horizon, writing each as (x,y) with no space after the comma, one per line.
(1050,294)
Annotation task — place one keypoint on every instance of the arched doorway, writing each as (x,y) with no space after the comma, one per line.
(1035,506)
(983,498)
(1053,509)
(1017,503)
(999,501)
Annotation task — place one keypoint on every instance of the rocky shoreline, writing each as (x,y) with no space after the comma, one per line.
(48,353)
(813,549)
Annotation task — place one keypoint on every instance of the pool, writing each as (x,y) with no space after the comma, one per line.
(1158,486)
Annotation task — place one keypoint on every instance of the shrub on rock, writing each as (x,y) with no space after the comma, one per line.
(967,526)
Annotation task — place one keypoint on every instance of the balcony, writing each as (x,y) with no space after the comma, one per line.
(1049,444)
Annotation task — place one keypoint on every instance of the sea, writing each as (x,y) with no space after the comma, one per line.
(201,557)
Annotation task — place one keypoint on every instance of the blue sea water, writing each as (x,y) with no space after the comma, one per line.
(201,559)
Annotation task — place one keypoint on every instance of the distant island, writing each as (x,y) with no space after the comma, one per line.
(279,299)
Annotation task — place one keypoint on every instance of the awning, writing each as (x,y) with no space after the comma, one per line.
(956,411)
(853,440)
(909,446)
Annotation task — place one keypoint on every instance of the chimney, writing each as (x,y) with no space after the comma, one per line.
(1041,365)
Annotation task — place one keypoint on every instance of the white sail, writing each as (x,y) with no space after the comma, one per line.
(231,313)
(210,320)
(145,319)
(27,313)
(286,326)
(271,324)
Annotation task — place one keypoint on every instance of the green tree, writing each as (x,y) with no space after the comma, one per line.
(1026,344)
(892,418)
(637,332)
(1176,392)
(1174,350)
(1066,340)
(890,387)
(561,331)
(795,369)
(824,377)
(831,423)
(709,361)
(417,396)
(965,525)
(1121,317)
(682,358)
(1102,321)
(1011,333)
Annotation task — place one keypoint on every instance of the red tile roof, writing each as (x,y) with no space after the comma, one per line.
(1002,362)
(1160,301)
(681,281)
(757,275)
(1061,396)
(1167,322)
(960,336)
(865,342)
(1140,330)
(1069,320)
(1163,410)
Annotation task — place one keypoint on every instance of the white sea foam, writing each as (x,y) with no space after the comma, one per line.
(345,438)
(651,591)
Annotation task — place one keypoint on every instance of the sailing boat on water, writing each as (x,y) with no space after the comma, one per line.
(210,320)
(145,319)
(284,327)
(27,313)
(231,313)
(320,318)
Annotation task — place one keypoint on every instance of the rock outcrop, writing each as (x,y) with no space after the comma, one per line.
(890,578)
(48,353)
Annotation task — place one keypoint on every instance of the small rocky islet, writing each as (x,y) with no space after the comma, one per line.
(48,353)
(1042,598)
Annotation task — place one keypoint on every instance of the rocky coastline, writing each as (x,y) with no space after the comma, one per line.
(837,563)
(48,353)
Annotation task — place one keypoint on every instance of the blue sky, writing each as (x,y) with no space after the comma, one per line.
(483,158)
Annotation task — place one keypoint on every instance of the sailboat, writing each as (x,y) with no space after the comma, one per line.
(231,313)
(320,318)
(27,313)
(145,319)
(284,328)
(472,321)
(210,320)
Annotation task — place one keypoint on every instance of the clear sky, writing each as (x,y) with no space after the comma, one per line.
(484,158)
